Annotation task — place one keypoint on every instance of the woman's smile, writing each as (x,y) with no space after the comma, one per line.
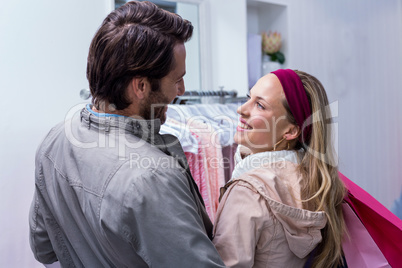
(243,126)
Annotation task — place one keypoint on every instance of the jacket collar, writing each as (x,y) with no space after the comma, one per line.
(245,161)
(144,129)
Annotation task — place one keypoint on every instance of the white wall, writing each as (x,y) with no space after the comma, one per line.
(229,45)
(354,49)
(43,50)
(192,79)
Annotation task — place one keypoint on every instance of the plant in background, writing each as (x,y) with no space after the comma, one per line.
(271,44)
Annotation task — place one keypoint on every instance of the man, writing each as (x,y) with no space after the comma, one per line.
(110,191)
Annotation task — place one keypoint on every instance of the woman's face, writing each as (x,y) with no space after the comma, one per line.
(263,117)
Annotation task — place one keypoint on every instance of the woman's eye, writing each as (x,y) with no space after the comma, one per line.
(260,106)
(248,97)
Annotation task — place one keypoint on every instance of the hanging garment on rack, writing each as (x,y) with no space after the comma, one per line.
(197,165)
(213,126)
(212,157)
(196,160)
(186,138)
(204,176)
(218,115)
(228,153)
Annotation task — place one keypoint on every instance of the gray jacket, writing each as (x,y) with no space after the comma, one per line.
(112,192)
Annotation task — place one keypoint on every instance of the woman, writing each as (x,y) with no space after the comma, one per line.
(283,203)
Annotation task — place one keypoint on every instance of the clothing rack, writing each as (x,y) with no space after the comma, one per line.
(193,97)
(220,93)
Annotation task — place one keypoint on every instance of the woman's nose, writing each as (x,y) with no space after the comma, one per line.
(242,110)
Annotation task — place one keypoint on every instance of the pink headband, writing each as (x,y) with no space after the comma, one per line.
(297,99)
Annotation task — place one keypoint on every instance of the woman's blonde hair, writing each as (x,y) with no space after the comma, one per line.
(322,189)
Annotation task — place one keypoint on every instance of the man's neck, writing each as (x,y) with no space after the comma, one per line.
(126,112)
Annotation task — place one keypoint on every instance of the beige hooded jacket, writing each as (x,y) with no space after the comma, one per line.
(260,221)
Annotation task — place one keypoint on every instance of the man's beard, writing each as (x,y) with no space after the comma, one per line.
(154,107)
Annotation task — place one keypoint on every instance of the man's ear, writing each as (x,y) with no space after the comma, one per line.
(292,133)
(140,87)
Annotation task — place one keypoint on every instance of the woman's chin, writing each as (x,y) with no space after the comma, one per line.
(237,138)
(240,141)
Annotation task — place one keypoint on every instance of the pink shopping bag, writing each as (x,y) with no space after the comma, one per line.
(383,226)
(359,248)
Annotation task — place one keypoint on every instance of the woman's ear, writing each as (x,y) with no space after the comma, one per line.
(140,87)
(292,133)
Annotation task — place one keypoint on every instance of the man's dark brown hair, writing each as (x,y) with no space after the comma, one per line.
(135,40)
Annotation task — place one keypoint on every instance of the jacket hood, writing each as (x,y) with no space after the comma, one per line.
(302,227)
